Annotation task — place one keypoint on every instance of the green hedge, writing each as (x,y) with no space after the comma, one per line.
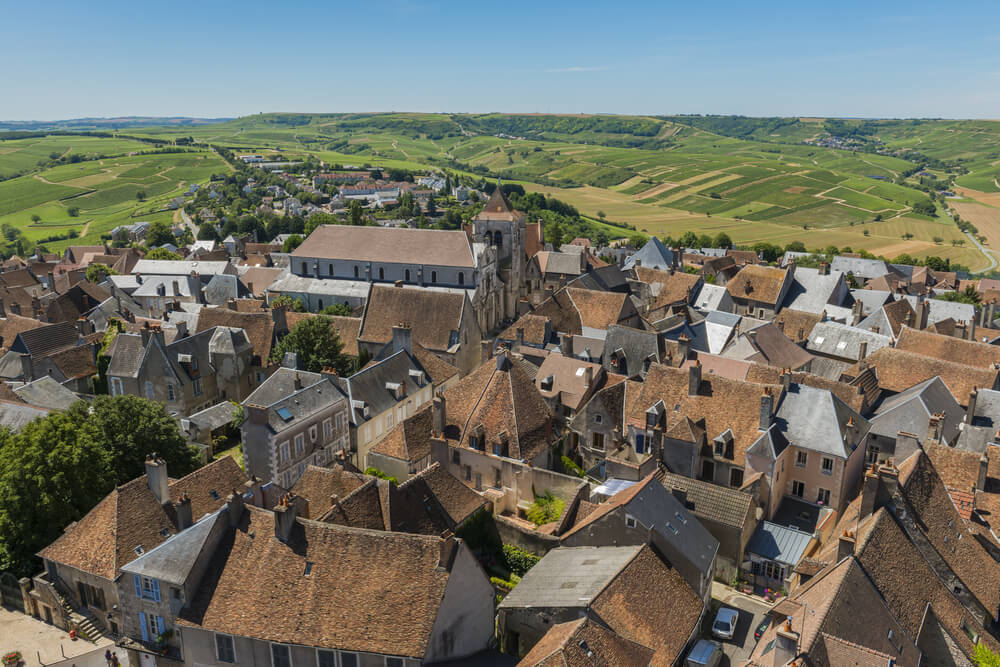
(518,560)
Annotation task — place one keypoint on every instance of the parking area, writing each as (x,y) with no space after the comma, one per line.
(751,613)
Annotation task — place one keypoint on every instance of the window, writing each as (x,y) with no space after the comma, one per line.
(194,363)
(149,390)
(225,651)
(798,489)
(340,422)
(171,396)
(197,386)
(305,268)
(468,473)
(150,588)
(597,441)
(827,466)
(735,477)
(497,478)
(461,277)
(116,387)
(381,273)
(348,659)
(313,432)
(630,521)
(280,656)
(393,662)
(720,447)
(406,275)
(801,458)
(640,443)
(300,444)
(871,456)
(329,270)
(283,454)
(388,421)
(325,658)
(434,276)
(823,497)
(319,304)
(328,428)
(456,458)
(598,419)
(151,626)
(355,271)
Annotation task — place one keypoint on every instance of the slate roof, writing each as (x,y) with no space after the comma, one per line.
(399,245)
(861,268)
(370,384)
(363,579)
(435,317)
(910,411)
(815,419)
(562,263)
(654,255)
(278,392)
(710,501)
(635,345)
(173,560)
(812,291)
(840,340)
(774,348)
(16,416)
(778,543)
(939,309)
(166,267)
(601,278)
(710,297)
(890,318)
(46,392)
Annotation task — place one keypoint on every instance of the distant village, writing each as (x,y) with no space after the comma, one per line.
(518,452)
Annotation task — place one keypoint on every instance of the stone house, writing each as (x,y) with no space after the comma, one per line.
(758,291)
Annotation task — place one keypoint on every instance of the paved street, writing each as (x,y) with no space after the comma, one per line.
(45,645)
(752,612)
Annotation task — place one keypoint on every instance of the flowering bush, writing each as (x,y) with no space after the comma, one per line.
(12,659)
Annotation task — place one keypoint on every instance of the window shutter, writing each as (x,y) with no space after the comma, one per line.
(142,625)
(156,589)
(159,624)
(138,585)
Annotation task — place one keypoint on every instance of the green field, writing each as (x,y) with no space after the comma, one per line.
(754,178)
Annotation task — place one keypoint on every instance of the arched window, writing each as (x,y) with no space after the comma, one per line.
(406,275)
(381,273)
(305,268)
(355,270)
(434,276)
(461,277)
(330,269)
(320,304)
(498,239)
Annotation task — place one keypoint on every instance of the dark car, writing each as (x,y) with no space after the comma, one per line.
(762,628)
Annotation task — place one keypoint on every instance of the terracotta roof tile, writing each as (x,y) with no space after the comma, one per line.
(901,369)
(792,322)
(949,348)
(432,315)
(259,327)
(599,310)
(757,283)
(388,244)
(585,642)
(409,440)
(318,484)
(535,329)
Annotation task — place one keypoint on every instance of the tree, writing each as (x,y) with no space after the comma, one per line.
(140,195)
(354,213)
(35,218)
(722,240)
(73,211)
(795,246)
(555,235)
(688,239)
(431,205)
(162,253)
(159,233)
(97,272)
(294,305)
(601,215)
(316,345)
(291,243)
(341,309)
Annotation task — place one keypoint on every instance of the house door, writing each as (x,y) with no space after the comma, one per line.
(82,589)
(708,471)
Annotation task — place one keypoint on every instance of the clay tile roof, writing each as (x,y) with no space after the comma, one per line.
(757,283)
(502,401)
(370,591)
(260,277)
(432,315)
(457,500)
(533,241)
(849,394)
(317,485)
(598,310)
(75,362)
(259,327)
(12,325)
(409,440)
(957,468)
(397,245)
(437,369)
(620,499)
(535,327)
(668,289)
(948,348)
(899,369)
(647,596)
(223,476)
(585,642)
(346,327)
(810,567)
(791,322)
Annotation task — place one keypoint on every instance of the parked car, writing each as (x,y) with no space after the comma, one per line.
(762,628)
(705,653)
(725,623)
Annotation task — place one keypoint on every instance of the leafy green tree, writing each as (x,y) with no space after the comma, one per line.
(722,240)
(73,211)
(354,213)
(97,272)
(704,241)
(162,253)
(555,235)
(291,243)
(35,218)
(288,302)
(431,205)
(688,240)
(341,309)
(795,246)
(602,215)
(140,195)
(316,345)
(159,233)
(984,657)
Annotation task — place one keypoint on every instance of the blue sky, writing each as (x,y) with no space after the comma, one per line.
(209,59)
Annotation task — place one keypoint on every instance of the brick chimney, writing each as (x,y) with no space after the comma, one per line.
(862,350)
(256,414)
(845,545)
(683,346)
(487,350)
(254,487)
(694,378)
(970,412)
(156,478)
(786,644)
(566,345)
(869,492)
(448,551)
(438,418)
(183,510)
(766,409)
(984,466)
(284,516)
(235,502)
(520,334)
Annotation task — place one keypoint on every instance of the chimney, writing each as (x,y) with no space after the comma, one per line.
(256,414)
(284,517)
(235,503)
(984,466)
(298,382)
(183,510)
(487,350)
(683,347)
(923,310)
(766,409)
(781,326)
(824,269)
(862,350)
(402,338)
(989,313)
(694,378)
(439,416)
(566,345)
(680,494)
(786,379)
(448,551)
(231,304)
(845,545)
(888,475)
(856,313)
(520,337)
(254,487)
(970,412)
(875,329)
(588,376)
(156,477)
(934,429)
(869,492)
(52,282)
(503,363)
(786,644)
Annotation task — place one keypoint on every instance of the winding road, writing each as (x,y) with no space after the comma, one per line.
(989,255)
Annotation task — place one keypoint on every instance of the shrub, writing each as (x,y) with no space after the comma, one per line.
(545,509)
(518,560)
(571,466)
(375,472)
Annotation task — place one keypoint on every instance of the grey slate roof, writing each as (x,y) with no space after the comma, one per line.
(710,297)
(46,392)
(127,353)
(569,577)
(778,543)
(942,310)
(816,420)
(636,345)
(812,292)
(871,300)
(16,416)
(710,501)
(166,267)
(369,384)
(278,391)
(840,340)
(602,279)
(45,340)
(212,418)
(910,411)
(173,560)
(654,255)
(719,327)
(861,268)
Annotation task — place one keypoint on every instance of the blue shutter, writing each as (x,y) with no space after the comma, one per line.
(138,585)
(142,623)
(156,589)
(159,624)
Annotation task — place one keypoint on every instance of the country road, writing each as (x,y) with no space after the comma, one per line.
(989,255)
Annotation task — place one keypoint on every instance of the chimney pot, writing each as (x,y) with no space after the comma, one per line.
(156,478)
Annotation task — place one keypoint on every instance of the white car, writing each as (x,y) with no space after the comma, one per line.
(725,623)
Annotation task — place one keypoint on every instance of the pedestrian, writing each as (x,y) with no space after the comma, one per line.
(107,658)
(114,660)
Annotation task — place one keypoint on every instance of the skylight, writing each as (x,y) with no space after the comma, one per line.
(284,413)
